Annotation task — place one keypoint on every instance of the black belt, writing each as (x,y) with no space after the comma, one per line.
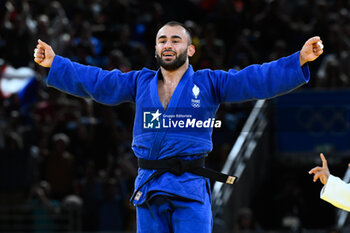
(179,166)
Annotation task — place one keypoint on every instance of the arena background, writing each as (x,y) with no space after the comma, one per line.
(66,163)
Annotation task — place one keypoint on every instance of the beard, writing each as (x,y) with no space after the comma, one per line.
(176,63)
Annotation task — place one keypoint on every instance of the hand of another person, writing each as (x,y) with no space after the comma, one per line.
(321,173)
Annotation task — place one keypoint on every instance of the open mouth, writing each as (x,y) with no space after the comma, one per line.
(168,54)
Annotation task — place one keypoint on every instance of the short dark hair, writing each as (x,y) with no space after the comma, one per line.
(188,30)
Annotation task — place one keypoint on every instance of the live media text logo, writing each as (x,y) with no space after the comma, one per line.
(154,119)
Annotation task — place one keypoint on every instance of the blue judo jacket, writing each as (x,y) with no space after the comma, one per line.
(184,129)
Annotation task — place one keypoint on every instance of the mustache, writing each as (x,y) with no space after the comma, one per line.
(168,50)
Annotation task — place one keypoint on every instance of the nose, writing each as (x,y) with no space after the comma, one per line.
(168,44)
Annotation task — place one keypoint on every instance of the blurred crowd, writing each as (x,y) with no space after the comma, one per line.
(53,145)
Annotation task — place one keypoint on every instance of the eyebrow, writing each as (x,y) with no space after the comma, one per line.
(172,37)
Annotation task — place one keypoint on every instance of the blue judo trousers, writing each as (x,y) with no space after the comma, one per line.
(162,214)
(176,202)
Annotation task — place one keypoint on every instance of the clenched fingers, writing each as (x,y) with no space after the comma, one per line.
(39,55)
(317,47)
(313,40)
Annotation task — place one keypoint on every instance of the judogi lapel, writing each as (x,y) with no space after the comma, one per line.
(171,108)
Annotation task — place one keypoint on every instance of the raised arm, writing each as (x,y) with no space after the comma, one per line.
(107,87)
(269,79)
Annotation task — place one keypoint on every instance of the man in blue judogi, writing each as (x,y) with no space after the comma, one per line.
(175,115)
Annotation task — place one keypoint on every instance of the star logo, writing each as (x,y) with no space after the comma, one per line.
(155,116)
(151,119)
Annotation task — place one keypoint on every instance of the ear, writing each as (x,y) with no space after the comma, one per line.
(191,50)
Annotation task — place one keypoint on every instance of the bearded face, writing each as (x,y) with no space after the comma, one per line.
(173,47)
(170,60)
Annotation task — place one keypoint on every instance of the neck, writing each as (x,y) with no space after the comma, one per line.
(174,76)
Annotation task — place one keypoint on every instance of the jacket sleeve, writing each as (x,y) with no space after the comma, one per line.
(261,81)
(336,192)
(107,87)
